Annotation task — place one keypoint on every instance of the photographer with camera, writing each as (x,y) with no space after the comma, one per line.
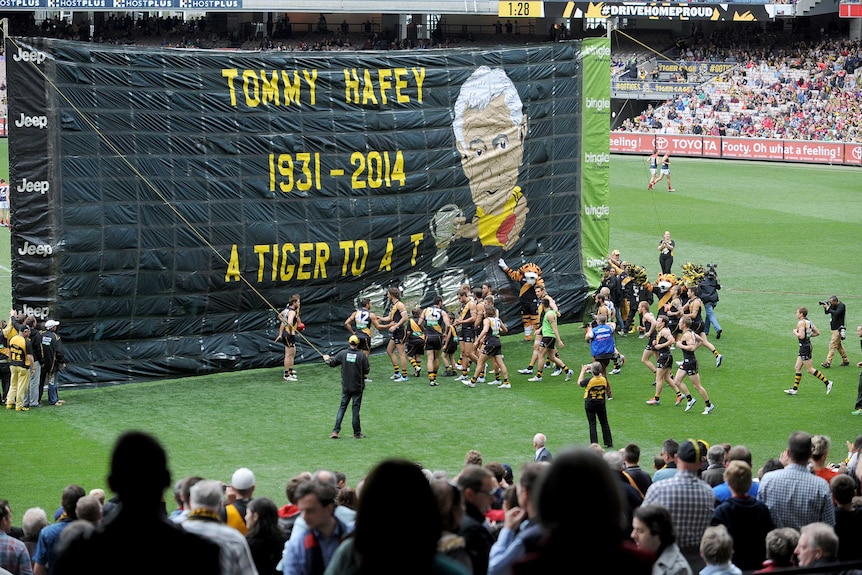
(835,309)
(708,289)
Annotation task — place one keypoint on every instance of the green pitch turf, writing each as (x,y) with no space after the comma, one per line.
(782,235)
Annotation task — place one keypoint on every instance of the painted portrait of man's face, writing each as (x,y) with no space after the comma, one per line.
(491,153)
(490,128)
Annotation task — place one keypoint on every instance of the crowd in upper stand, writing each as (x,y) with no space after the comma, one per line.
(799,91)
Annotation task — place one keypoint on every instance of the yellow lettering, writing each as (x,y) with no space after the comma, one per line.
(322,256)
(357,261)
(249,81)
(232,273)
(261,250)
(386,262)
(361,258)
(351,86)
(304,260)
(292,90)
(262,87)
(269,89)
(385,84)
(368,94)
(311,80)
(286,271)
(274,261)
(346,246)
(419,74)
(416,239)
(401,84)
(230,74)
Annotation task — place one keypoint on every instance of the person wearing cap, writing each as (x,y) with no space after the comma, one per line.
(10,330)
(21,363)
(53,358)
(354,368)
(616,261)
(237,497)
(689,499)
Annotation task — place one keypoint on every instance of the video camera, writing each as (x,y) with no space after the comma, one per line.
(710,270)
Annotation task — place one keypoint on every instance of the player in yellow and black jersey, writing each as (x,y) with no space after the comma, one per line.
(435,320)
(415,345)
(360,323)
(466,321)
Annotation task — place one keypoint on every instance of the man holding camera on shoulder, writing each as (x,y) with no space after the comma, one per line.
(708,289)
(835,309)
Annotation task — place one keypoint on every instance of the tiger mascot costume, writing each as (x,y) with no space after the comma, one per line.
(528,276)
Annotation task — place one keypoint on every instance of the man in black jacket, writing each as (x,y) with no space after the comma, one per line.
(53,359)
(707,289)
(354,367)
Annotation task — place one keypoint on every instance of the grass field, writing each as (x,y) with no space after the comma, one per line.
(782,235)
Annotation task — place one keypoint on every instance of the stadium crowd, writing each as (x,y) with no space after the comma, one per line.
(702,507)
(803,91)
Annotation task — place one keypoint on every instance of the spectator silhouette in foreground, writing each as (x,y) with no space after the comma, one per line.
(590,528)
(450,505)
(138,538)
(412,550)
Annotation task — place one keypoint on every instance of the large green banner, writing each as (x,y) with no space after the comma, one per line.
(168,203)
(596,156)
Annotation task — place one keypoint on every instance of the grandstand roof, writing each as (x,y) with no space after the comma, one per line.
(377,6)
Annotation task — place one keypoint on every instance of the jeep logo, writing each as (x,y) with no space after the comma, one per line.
(39,312)
(41,186)
(29,249)
(32,56)
(40,122)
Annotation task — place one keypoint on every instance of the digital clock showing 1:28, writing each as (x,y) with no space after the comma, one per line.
(521,9)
